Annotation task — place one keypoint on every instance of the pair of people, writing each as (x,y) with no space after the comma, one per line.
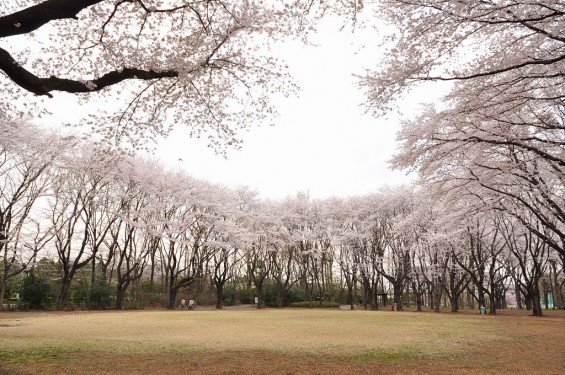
(191,304)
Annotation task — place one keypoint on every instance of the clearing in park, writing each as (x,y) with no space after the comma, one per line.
(288,341)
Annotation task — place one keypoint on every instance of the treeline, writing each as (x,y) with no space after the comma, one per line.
(89,228)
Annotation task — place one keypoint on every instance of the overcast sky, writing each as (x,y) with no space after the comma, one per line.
(322,142)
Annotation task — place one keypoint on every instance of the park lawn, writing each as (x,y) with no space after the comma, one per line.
(273,341)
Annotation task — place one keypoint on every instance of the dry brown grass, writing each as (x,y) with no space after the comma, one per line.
(280,342)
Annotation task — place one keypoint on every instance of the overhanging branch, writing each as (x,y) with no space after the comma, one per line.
(43,86)
(32,18)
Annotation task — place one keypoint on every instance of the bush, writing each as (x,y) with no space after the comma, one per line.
(78,293)
(295,294)
(315,304)
(229,297)
(245,295)
(100,295)
(36,292)
(237,294)
(152,294)
(271,292)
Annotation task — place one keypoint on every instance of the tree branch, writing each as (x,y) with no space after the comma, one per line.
(43,86)
(34,17)
(493,72)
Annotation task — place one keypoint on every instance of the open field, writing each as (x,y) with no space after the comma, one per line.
(285,341)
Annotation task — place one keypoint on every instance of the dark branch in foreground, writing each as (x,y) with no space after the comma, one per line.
(43,86)
(34,17)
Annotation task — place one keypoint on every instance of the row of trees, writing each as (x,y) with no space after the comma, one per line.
(487,214)
(126,220)
(497,140)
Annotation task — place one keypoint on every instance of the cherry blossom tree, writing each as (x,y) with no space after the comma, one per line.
(184,213)
(369,244)
(509,178)
(262,255)
(26,158)
(350,236)
(499,133)
(149,64)
(129,246)
(531,256)
(500,51)
(284,263)
(397,243)
(430,252)
(231,236)
(79,213)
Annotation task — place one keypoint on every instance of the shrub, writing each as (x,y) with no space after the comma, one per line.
(100,295)
(315,304)
(78,293)
(152,294)
(271,292)
(245,295)
(237,294)
(36,292)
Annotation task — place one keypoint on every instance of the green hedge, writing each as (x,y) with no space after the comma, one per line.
(36,292)
(315,304)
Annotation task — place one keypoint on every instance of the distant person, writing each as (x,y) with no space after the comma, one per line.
(182,302)
(394,306)
(483,310)
(191,304)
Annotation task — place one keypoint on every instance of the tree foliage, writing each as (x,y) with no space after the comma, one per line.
(153,64)
(499,135)
(486,218)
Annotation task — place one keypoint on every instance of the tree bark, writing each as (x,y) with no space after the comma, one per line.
(219,296)
(63,293)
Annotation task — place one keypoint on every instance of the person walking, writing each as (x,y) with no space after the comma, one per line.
(483,311)
(182,302)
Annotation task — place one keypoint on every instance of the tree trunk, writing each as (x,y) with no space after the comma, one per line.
(438,291)
(535,299)
(120,294)
(365,294)
(529,301)
(350,293)
(418,296)
(219,295)
(3,291)
(492,300)
(259,288)
(63,293)
(454,301)
(481,292)
(172,298)
(471,299)
(398,296)
(93,271)
(280,297)
(374,300)
(557,297)
(518,291)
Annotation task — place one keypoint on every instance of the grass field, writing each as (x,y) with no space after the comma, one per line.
(289,341)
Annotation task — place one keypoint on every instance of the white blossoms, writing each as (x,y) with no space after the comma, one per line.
(89,84)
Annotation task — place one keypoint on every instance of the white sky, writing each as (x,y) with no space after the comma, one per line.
(322,142)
